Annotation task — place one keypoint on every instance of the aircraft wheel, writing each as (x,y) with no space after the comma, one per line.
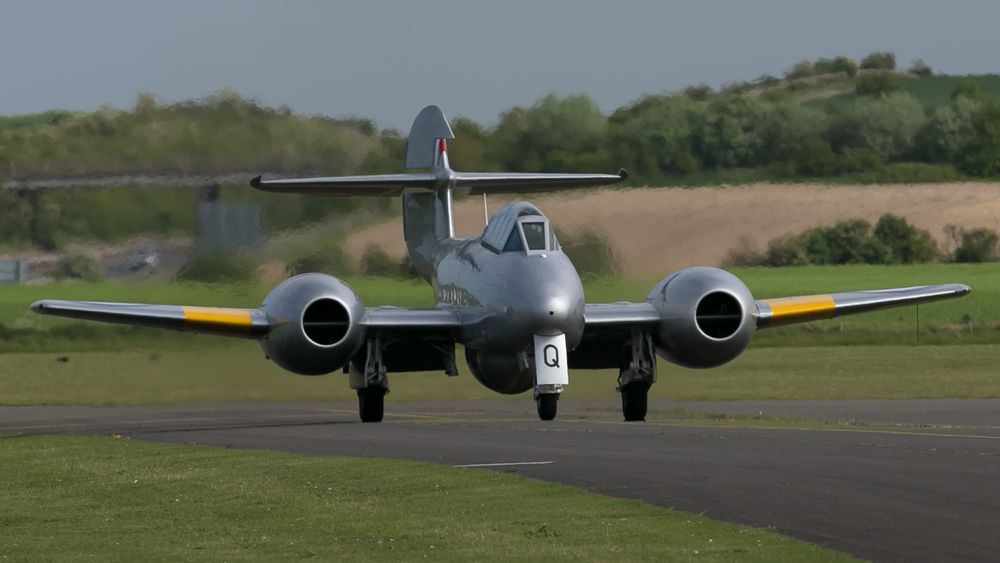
(371,403)
(547,403)
(634,401)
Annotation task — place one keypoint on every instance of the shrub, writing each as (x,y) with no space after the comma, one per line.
(217,266)
(881,60)
(78,266)
(590,252)
(877,85)
(921,69)
(977,245)
(329,260)
(377,262)
(906,243)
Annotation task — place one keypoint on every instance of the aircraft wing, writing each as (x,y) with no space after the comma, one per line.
(802,309)
(241,323)
(784,310)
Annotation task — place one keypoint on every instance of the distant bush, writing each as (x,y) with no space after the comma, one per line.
(977,245)
(15,216)
(879,60)
(877,85)
(906,243)
(893,241)
(78,266)
(377,262)
(591,253)
(966,88)
(330,259)
(802,69)
(909,173)
(921,69)
(836,64)
(217,266)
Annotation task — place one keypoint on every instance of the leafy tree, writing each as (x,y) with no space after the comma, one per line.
(653,137)
(886,126)
(879,60)
(15,216)
(557,133)
(966,88)
(978,245)
(921,69)
(949,130)
(877,85)
(815,158)
(981,156)
(906,243)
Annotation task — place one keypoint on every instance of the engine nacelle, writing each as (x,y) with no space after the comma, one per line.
(314,324)
(705,317)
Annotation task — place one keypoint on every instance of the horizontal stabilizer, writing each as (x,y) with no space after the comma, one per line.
(243,323)
(391,185)
(520,182)
(382,185)
(790,310)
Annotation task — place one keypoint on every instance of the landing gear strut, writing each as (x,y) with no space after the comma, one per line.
(637,376)
(368,376)
(547,405)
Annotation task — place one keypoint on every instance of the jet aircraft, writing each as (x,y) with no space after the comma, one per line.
(510,297)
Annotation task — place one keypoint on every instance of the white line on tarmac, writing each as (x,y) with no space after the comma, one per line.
(502,464)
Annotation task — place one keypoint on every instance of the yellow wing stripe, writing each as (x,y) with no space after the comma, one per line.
(217,319)
(801,309)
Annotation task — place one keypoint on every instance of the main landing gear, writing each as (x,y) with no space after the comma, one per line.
(367,375)
(371,403)
(637,376)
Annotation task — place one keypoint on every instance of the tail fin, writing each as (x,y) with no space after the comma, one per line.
(426,143)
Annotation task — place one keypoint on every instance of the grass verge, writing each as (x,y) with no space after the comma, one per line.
(97,498)
(240,373)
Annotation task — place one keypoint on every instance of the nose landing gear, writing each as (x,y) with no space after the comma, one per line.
(547,405)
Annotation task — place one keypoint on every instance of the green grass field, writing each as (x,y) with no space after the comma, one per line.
(117,500)
(240,373)
(933,91)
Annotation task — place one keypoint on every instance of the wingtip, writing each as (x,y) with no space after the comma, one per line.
(255,182)
(38,307)
(622,174)
(964,289)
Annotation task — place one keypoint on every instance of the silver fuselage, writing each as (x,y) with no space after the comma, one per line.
(505,298)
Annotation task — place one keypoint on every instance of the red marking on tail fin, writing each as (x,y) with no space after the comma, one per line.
(442,146)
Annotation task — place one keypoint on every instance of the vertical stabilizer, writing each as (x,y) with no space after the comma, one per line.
(427,217)
(422,145)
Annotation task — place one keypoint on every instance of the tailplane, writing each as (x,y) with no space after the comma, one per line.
(427,209)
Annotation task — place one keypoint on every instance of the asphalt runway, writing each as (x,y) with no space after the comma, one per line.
(920,482)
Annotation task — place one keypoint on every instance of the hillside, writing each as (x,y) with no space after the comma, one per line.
(655,231)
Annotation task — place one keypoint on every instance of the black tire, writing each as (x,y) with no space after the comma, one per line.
(547,405)
(634,401)
(371,404)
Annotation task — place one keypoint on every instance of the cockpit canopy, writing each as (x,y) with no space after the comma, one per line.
(519,227)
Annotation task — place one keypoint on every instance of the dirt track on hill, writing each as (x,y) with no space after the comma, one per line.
(656,230)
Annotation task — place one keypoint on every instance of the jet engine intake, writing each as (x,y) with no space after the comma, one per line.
(315,326)
(705,317)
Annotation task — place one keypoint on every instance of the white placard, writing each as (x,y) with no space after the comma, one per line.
(551,365)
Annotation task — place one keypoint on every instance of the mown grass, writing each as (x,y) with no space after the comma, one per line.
(110,500)
(240,373)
